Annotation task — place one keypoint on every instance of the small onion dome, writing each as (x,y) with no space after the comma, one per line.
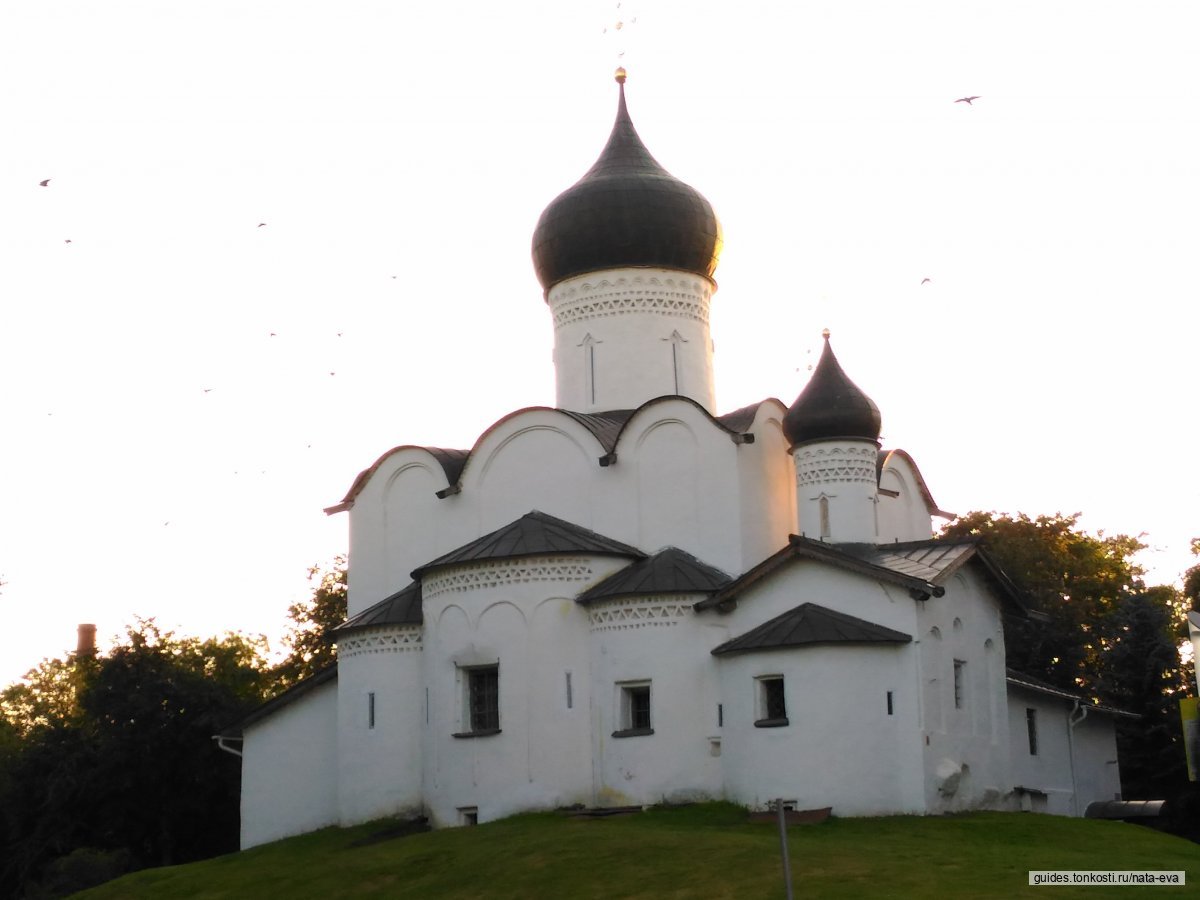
(831,406)
(626,211)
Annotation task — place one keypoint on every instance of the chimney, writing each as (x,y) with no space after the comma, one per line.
(86,647)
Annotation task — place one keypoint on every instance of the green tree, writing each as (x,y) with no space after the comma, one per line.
(308,638)
(1074,579)
(112,758)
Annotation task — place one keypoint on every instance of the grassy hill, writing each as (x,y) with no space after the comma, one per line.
(708,851)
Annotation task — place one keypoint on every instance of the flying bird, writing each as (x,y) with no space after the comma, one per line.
(67,241)
(45,183)
(926,280)
(967,100)
(261,225)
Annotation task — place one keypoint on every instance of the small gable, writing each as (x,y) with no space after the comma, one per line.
(810,624)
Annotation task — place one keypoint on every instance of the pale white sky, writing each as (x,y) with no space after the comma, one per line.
(400,155)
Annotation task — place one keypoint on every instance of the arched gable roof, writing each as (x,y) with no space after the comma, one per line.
(451,461)
(606,427)
(881,461)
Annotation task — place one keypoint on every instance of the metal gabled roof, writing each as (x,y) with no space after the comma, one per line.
(851,557)
(400,608)
(1030,683)
(810,624)
(534,534)
(670,571)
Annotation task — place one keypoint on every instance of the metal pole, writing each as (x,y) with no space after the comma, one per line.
(783,847)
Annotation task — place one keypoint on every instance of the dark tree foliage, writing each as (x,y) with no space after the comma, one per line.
(109,763)
(1191,579)
(1141,671)
(1108,636)
(309,646)
(1074,578)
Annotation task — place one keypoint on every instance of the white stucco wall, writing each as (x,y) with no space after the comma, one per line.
(841,475)
(379,761)
(840,747)
(906,516)
(1090,774)
(625,336)
(289,769)
(659,641)
(967,751)
(519,615)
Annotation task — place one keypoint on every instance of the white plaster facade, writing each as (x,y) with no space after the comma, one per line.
(814,643)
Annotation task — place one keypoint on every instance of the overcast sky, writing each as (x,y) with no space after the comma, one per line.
(183,390)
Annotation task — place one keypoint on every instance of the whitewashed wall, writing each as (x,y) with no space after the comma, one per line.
(379,763)
(840,747)
(967,753)
(517,614)
(659,640)
(625,336)
(1093,770)
(906,517)
(289,769)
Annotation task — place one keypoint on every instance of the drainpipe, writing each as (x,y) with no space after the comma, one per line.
(221,739)
(1071,723)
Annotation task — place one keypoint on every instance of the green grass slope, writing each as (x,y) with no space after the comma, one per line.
(708,851)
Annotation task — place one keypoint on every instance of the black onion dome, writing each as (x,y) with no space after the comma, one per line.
(626,211)
(831,406)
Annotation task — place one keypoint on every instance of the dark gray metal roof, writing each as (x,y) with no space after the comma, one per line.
(809,624)
(1029,683)
(831,406)
(740,420)
(851,557)
(670,571)
(401,608)
(627,210)
(451,461)
(923,567)
(604,426)
(534,534)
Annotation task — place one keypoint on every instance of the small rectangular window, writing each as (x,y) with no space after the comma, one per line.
(720,715)
(1031,727)
(483,688)
(634,714)
(890,706)
(959,691)
(570,698)
(370,709)
(468,815)
(772,704)
(481,701)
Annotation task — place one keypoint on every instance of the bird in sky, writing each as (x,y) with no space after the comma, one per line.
(45,183)
(67,241)
(208,390)
(261,225)
(926,280)
(967,100)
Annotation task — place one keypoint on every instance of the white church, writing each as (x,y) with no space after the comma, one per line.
(632,598)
